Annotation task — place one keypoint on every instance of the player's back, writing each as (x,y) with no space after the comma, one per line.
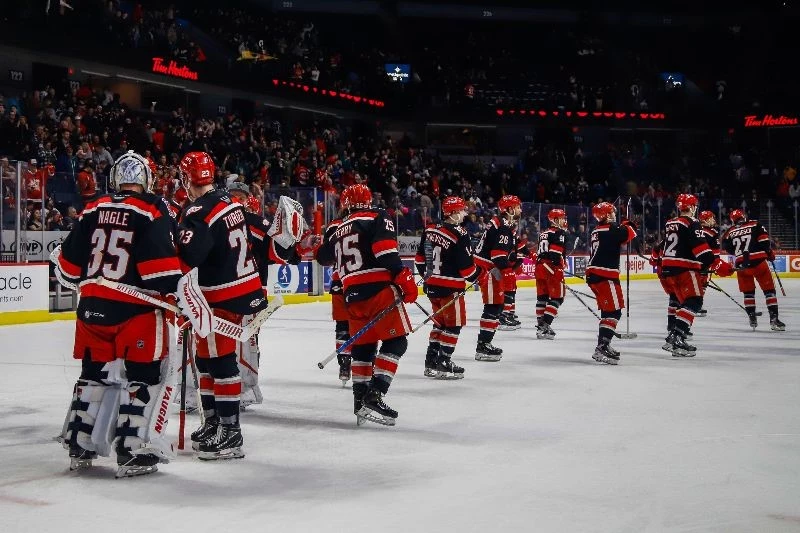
(448,259)
(683,244)
(605,243)
(495,245)
(552,245)
(214,237)
(126,238)
(365,245)
(747,239)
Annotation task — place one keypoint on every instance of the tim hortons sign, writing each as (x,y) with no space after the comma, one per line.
(768,121)
(171,68)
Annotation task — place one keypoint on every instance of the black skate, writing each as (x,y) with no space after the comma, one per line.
(374,410)
(603,353)
(776,325)
(486,352)
(132,464)
(344,369)
(225,444)
(430,362)
(80,458)
(753,320)
(445,369)
(204,432)
(544,331)
(508,323)
(679,346)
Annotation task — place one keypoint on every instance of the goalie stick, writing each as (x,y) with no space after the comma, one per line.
(221,326)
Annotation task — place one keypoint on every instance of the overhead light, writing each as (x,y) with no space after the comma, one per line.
(142,80)
(93,73)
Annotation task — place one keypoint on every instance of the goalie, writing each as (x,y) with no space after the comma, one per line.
(121,399)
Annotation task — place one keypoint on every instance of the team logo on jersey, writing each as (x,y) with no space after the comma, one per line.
(794,263)
(255,303)
(193,209)
(140,344)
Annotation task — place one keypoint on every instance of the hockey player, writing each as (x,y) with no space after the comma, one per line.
(374,280)
(338,306)
(493,255)
(125,385)
(550,261)
(602,275)
(214,239)
(750,243)
(265,252)
(508,318)
(709,225)
(686,253)
(444,260)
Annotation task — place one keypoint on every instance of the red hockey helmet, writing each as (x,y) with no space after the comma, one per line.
(556,214)
(686,201)
(707,218)
(359,197)
(253,205)
(601,211)
(508,201)
(197,169)
(737,215)
(453,204)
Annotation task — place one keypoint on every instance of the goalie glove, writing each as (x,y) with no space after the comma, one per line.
(193,304)
(288,227)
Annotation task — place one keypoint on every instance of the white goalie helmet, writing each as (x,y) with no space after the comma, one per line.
(133,169)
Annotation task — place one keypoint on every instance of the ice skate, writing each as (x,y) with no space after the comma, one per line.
(486,352)
(250,396)
(225,444)
(603,353)
(344,369)
(374,410)
(79,458)
(776,325)
(204,432)
(508,323)
(430,362)
(679,346)
(544,331)
(445,369)
(132,464)
(753,320)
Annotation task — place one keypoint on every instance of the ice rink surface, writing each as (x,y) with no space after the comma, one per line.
(544,440)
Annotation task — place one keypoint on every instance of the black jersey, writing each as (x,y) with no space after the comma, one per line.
(552,246)
(517,257)
(748,241)
(496,245)
(127,238)
(685,247)
(605,241)
(214,238)
(326,249)
(364,248)
(444,259)
(712,239)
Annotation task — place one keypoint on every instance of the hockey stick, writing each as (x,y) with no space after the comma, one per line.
(576,294)
(628,278)
(713,285)
(432,316)
(221,326)
(358,334)
(775,271)
(424,310)
(184,335)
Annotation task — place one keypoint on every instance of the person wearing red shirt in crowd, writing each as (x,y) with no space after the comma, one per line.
(87,184)
(35,181)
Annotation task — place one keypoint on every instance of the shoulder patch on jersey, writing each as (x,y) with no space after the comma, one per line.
(461,231)
(193,209)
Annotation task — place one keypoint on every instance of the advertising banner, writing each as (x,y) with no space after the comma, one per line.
(24,287)
(35,245)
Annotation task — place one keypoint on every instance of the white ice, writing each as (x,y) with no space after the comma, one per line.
(545,440)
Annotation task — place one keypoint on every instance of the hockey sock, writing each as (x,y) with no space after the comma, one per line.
(227,388)
(608,325)
(448,339)
(433,345)
(551,311)
(342,335)
(772,302)
(386,362)
(489,322)
(684,317)
(361,366)
(750,302)
(541,303)
(508,301)
(206,383)
(672,308)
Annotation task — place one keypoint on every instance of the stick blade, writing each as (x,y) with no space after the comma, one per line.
(628,335)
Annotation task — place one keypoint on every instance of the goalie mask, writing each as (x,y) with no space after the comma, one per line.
(131,169)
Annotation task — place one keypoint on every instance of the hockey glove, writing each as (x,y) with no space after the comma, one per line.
(404,280)
(629,223)
(722,268)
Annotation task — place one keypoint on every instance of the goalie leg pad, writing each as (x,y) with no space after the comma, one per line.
(144,412)
(91,417)
(249,357)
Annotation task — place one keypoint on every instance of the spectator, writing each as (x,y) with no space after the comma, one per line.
(35,221)
(87,184)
